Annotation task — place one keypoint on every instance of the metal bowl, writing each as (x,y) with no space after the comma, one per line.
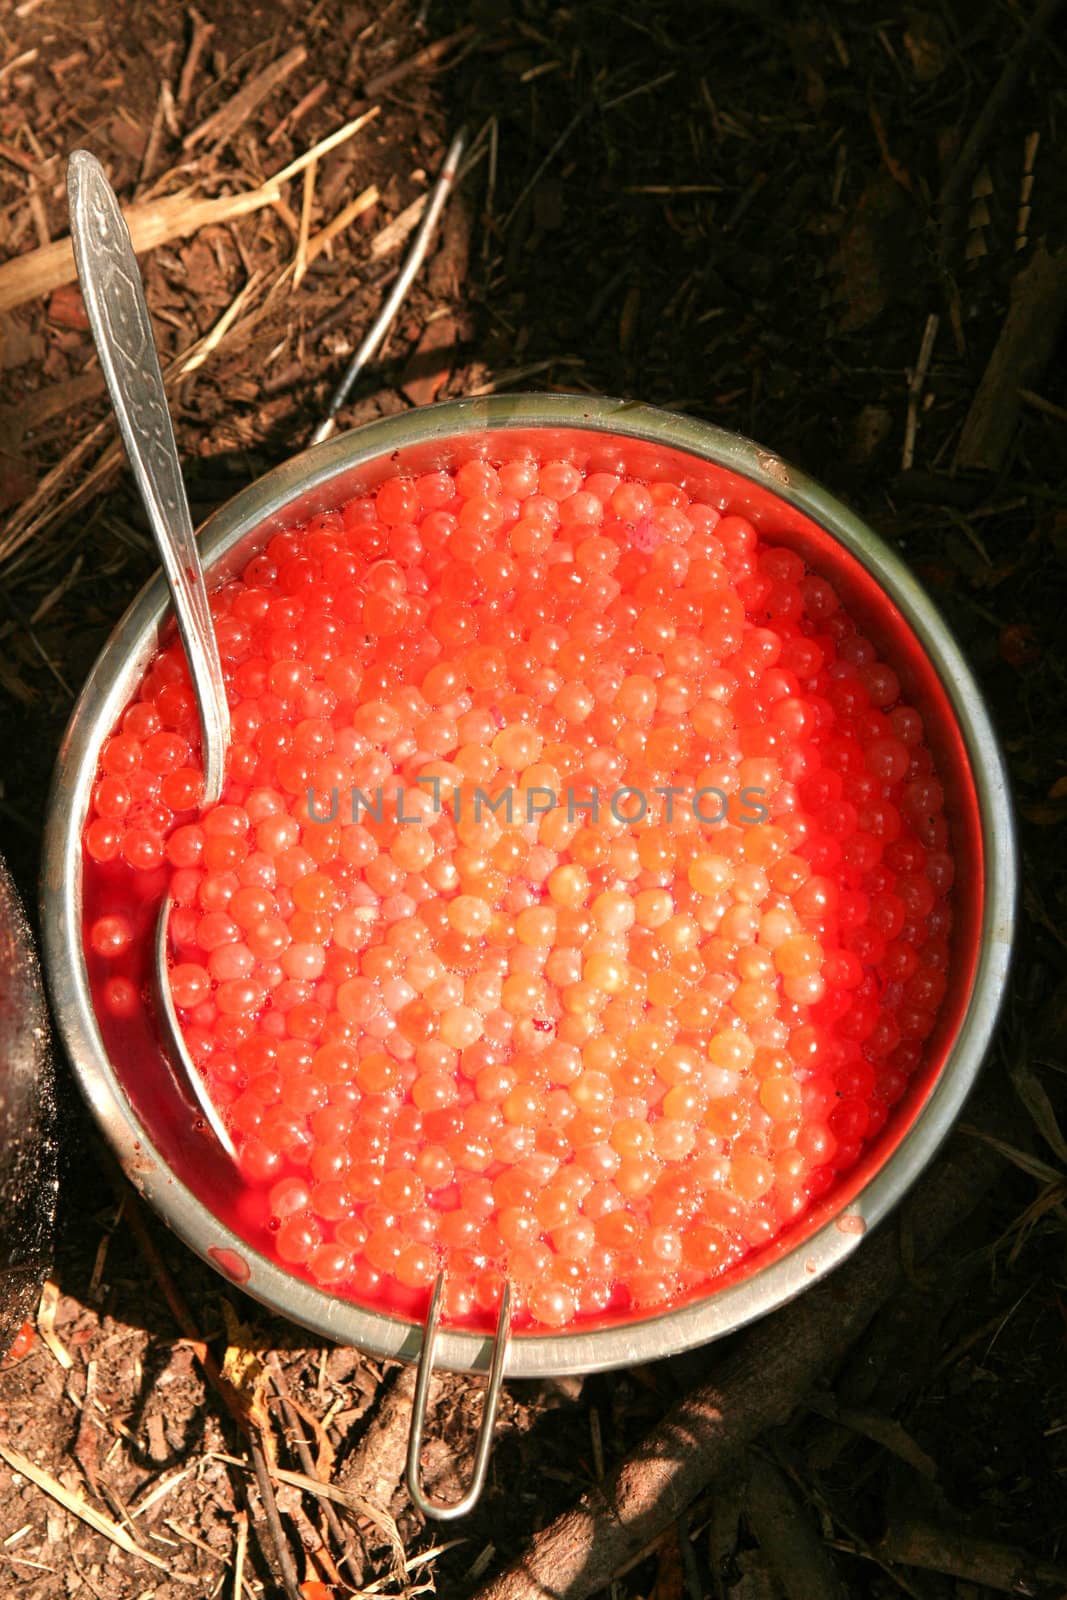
(28,1149)
(175,1171)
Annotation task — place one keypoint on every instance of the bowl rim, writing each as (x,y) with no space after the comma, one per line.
(586,1350)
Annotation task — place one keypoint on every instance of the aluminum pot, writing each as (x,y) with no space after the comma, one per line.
(728,472)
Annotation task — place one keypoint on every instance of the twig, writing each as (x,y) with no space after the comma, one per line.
(159,1490)
(1022,352)
(963,1555)
(300,265)
(213,338)
(383,321)
(224,123)
(785,1534)
(916,380)
(428,56)
(164,105)
(640,88)
(290,1580)
(331,141)
(11,153)
(24,60)
(191,1538)
(202,32)
(490,188)
(79,1507)
(758,1385)
(544,165)
(358,1505)
(179,1310)
(300,110)
(393,235)
(37,211)
(307,1461)
(84,1448)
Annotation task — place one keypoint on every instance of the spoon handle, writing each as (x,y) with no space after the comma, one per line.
(118,315)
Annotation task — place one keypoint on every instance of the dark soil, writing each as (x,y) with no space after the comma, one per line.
(742,210)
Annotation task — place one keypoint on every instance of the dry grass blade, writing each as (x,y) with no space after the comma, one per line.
(331,141)
(46,1325)
(1051,1198)
(301,263)
(159,1490)
(1020,1158)
(78,1507)
(355,1503)
(343,220)
(204,347)
(43,509)
(242,1551)
(410,1565)
(1035,1098)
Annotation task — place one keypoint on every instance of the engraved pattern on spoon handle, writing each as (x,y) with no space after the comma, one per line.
(118,315)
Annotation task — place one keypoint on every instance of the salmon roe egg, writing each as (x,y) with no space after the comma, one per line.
(578,907)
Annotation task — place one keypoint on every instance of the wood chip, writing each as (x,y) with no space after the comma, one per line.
(66,309)
(431,363)
(392,236)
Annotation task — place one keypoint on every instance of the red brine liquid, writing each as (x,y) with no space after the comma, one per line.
(576,910)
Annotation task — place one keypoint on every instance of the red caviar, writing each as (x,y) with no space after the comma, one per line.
(578,904)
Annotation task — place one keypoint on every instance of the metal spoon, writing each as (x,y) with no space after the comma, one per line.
(122,330)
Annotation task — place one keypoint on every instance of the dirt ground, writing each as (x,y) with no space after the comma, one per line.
(843,234)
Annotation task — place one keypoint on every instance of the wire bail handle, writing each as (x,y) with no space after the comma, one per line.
(429,1505)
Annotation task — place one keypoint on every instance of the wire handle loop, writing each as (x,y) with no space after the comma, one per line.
(442,1510)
